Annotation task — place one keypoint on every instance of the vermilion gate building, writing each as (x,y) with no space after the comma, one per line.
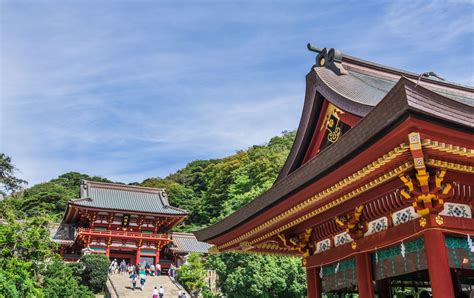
(377,191)
(125,222)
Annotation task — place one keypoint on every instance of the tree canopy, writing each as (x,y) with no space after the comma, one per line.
(192,272)
(8,181)
(29,266)
(248,275)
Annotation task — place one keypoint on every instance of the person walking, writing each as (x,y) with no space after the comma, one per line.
(161,292)
(142,275)
(158,269)
(133,277)
(147,268)
(155,293)
(123,267)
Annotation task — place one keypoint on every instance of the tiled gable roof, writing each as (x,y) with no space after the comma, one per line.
(125,197)
(62,233)
(186,242)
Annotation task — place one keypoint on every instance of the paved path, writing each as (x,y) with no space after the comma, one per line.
(123,285)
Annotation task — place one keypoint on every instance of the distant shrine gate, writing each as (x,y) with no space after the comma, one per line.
(125,222)
(377,192)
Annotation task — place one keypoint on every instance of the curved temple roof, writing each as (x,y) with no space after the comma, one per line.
(380,95)
(126,198)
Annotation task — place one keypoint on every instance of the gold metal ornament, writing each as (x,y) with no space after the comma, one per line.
(354,245)
(422,222)
(439,220)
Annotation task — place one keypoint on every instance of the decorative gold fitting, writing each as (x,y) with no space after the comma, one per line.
(446,188)
(422,222)
(213,249)
(439,177)
(439,220)
(292,241)
(304,262)
(407,181)
(405,194)
(423,178)
(415,140)
(322,62)
(423,212)
(306,253)
(354,245)
(245,245)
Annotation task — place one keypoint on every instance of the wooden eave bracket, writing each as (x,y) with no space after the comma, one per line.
(427,194)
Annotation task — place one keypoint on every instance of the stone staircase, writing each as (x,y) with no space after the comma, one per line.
(123,286)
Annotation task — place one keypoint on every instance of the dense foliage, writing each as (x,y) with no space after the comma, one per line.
(28,265)
(192,272)
(92,270)
(247,275)
(62,281)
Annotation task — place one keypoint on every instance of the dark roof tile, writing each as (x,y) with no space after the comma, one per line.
(186,242)
(125,197)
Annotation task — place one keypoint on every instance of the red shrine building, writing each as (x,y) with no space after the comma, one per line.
(376,195)
(125,222)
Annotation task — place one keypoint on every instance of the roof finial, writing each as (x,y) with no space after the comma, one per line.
(314,48)
(328,58)
(427,75)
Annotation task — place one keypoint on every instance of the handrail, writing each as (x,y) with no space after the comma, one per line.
(124,233)
(113,286)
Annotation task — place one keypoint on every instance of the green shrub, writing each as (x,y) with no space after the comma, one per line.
(59,281)
(94,271)
(192,274)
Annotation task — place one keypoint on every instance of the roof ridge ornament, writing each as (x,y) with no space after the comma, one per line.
(428,74)
(329,58)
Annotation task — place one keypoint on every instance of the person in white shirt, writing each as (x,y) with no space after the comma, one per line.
(161,292)
(158,269)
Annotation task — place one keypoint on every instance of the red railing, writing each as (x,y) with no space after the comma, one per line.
(124,234)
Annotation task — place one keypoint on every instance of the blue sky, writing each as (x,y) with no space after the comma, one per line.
(135,89)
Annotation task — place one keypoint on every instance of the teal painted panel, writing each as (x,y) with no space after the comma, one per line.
(148,252)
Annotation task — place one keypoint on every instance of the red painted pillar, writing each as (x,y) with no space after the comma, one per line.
(107,251)
(313,281)
(137,256)
(364,275)
(438,265)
